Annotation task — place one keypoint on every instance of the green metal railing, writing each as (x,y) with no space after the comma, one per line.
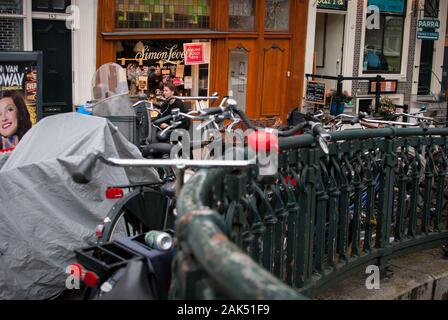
(378,194)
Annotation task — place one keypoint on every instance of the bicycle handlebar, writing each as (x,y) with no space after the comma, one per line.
(163,120)
(212,111)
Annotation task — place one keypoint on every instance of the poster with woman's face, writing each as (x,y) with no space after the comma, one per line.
(21,77)
(18,101)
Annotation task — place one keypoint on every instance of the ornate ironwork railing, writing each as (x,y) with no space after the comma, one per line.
(378,194)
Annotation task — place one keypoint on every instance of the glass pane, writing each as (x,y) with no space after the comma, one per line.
(11,7)
(238,67)
(277,15)
(41,5)
(242,14)
(163,14)
(59,4)
(431,8)
(50,5)
(11,37)
(383,48)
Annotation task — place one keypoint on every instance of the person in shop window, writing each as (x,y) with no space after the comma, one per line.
(171,103)
(15,119)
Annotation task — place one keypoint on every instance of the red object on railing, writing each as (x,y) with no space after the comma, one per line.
(6,150)
(263,141)
(114,193)
(292,180)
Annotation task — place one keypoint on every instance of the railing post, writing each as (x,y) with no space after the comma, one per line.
(378,93)
(405,110)
(305,224)
(386,196)
(339,92)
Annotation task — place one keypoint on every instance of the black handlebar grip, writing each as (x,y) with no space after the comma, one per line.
(355,120)
(245,118)
(83,174)
(319,130)
(163,120)
(292,131)
(212,111)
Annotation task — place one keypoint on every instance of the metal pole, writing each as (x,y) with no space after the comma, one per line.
(339,93)
(378,93)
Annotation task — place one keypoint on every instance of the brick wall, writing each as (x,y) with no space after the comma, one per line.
(361,88)
(11,29)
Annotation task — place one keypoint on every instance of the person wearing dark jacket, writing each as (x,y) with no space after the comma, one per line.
(171,103)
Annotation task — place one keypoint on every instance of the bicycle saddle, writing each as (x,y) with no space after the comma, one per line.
(157,150)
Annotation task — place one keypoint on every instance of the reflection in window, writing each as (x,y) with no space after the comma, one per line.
(163,14)
(11,7)
(238,68)
(431,8)
(383,46)
(150,63)
(11,40)
(277,15)
(50,5)
(242,14)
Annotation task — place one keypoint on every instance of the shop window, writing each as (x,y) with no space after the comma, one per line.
(150,63)
(163,14)
(277,15)
(383,47)
(11,36)
(242,14)
(51,5)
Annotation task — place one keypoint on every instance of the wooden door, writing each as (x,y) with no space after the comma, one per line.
(275,84)
(242,73)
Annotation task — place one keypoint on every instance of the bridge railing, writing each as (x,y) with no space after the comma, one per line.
(378,194)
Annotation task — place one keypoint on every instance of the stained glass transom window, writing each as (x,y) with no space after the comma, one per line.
(163,14)
(277,15)
(242,14)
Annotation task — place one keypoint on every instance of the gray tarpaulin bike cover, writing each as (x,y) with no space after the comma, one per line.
(44,215)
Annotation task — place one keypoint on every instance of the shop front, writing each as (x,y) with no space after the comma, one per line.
(250,50)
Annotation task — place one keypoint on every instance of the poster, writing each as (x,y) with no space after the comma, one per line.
(188,82)
(21,77)
(196,53)
(20,87)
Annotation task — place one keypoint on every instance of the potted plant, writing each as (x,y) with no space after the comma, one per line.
(387,109)
(333,100)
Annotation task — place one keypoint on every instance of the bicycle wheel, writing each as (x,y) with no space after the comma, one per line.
(137,213)
(123,224)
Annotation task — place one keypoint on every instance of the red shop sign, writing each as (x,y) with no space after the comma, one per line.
(195,53)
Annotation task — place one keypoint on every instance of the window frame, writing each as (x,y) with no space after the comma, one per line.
(402,74)
(26,36)
(383,17)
